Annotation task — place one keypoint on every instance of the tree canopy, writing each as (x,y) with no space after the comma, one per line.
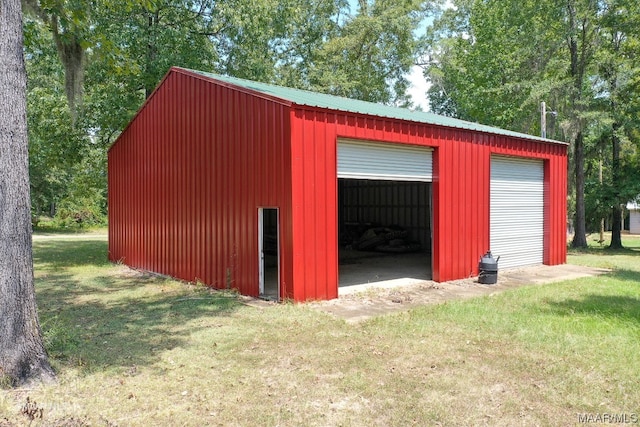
(105,57)
(92,64)
(496,61)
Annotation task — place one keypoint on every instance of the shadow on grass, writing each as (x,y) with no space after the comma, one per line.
(102,320)
(620,307)
(604,251)
(56,254)
(625,307)
(626,275)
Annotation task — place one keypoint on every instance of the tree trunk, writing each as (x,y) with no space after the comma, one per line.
(580,232)
(22,353)
(577,29)
(616,224)
(616,228)
(152,52)
(70,50)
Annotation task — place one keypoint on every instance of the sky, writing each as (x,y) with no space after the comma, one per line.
(419,87)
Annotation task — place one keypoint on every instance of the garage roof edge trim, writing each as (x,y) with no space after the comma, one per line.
(320,100)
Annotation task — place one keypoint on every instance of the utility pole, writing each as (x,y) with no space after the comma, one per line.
(543,119)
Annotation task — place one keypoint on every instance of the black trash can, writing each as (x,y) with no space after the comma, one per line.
(488,269)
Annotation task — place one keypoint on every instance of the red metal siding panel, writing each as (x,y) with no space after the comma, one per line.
(187,176)
(462,204)
(186,179)
(556,208)
(461,193)
(314,195)
(548,213)
(436,201)
(314,191)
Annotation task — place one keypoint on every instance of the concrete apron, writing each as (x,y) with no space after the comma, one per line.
(360,302)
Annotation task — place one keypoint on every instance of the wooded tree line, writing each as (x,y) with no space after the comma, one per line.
(496,61)
(91,65)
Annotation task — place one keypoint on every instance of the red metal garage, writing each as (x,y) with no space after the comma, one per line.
(245,185)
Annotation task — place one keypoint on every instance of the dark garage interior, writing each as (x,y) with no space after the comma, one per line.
(384,230)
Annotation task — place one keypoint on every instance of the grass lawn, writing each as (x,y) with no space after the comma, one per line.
(137,350)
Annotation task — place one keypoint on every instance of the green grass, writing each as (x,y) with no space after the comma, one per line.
(49,225)
(133,349)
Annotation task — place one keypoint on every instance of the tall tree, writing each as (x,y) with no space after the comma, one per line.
(582,38)
(137,41)
(619,73)
(372,53)
(22,353)
(300,30)
(68,21)
(494,61)
(55,145)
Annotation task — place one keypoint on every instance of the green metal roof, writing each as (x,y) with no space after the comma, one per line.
(321,100)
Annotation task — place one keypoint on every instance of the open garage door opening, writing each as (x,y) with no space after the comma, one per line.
(385,231)
(384,213)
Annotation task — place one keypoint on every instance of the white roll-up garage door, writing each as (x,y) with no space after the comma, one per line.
(517,211)
(382,161)
(634,222)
